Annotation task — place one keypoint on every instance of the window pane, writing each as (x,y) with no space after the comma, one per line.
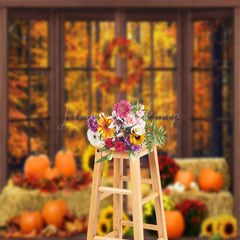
(165,44)
(39,136)
(39,94)
(140,32)
(227,94)
(17,94)
(202,44)
(17,141)
(76,44)
(203,139)
(75,136)
(17,43)
(101,101)
(202,94)
(39,43)
(165,98)
(76,93)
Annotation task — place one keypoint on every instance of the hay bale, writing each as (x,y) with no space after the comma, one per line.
(14,201)
(217,203)
(196,165)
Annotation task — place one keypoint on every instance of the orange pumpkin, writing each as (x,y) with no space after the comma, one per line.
(36,165)
(30,221)
(185,177)
(174,223)
(65,163)
(54,211)
(210,180)
(51,173)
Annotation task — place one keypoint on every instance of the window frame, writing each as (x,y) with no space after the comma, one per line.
(186,107)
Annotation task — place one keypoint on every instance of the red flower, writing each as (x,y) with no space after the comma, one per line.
(109,143)
(120,147)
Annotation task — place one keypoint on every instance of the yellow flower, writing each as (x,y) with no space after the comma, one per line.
(207,227)
(87,161)
(228,227)
(137,139)
(103,227)
(107,213)
(104,129)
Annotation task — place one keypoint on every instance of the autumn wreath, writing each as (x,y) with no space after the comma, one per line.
(126,49)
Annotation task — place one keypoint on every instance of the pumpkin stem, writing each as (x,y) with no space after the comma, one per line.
(64,149)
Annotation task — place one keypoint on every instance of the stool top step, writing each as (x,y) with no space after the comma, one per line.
(125,155)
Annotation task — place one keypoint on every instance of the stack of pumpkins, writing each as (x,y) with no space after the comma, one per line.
(38,166)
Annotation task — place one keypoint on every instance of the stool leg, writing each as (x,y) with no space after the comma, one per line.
(95,197)
(156,186)
(117,198)
(136,199)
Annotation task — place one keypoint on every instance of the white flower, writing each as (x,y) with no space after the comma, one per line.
(141,107)
(101,114)
(138,129)
(141,122)
(194,186)
(179,187)
(94,138)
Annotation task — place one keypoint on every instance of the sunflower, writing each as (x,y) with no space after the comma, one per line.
(87,161)
(137,139)
(103,227)
(104,129)
(107,213)
(125,228)
(207,227)
(228,227)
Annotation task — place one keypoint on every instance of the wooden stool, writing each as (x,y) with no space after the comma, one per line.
(99,193)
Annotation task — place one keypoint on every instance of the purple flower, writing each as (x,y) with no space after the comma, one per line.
(122,108)
(92,124)
(127,140)
(126,149)
(136,148)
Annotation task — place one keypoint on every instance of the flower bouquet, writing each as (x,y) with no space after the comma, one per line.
(126,130)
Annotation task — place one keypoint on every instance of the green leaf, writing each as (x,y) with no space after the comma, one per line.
(106,157)
(104,148)
(132,156)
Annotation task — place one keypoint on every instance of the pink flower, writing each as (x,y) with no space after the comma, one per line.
(141,122)
(130,120)
(120,147)
(122,108)
(140,113)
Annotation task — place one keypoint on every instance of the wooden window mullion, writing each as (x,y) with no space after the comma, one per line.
(236,116)
(3,99)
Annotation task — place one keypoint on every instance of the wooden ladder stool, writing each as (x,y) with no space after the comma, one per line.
(99,193)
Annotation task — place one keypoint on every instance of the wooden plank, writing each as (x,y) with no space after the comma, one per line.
(145,225)
(111,234)
(3,99)
(117,198)
(114,190)
(143,180)
(136,199)
(236,126)
(104,238)
(95,198)
(156,186)
(104,195)
(120,3)
(150,197)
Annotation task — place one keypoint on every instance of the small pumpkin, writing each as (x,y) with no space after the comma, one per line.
(30,221)
(185,177)
(174,223)
(65,163)
(35,166)
(53,212)
(210,180)
(51,173)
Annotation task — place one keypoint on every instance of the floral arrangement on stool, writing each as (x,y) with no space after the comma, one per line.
(126,130)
